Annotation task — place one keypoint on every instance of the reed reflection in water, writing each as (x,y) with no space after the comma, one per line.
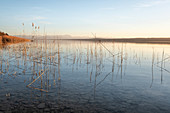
(80,76)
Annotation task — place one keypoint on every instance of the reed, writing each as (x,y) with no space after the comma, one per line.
(153,59)
(162,66)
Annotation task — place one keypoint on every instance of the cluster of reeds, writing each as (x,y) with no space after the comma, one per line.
(42,60)
(35,32)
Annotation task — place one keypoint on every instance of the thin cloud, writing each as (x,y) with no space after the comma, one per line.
(38,18)
(151,4)
(40,9)
(108,8)
(45,22)
(29,18)
(37,8)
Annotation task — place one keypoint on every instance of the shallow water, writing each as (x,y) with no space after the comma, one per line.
(67,76)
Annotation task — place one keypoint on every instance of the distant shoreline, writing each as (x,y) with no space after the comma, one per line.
(132,40)
(124,40)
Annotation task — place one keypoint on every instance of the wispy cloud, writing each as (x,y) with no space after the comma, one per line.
(108,8)
(37,8)
(45,22)
(38,18)
(30,18)
(43,9)
(152,3)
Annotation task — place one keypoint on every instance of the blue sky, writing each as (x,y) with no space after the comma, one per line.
(106,18)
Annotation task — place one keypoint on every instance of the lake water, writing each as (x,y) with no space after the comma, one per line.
(82,76)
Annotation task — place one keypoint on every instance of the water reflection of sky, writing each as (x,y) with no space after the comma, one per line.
(120,77)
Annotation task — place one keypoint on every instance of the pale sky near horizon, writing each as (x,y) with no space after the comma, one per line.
(106,18)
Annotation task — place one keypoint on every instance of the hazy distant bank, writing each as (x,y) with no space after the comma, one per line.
(131,40)
(52,37)
(84,38)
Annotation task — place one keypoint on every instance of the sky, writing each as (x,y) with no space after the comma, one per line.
(106,18)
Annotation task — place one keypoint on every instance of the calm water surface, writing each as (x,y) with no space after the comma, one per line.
(67,76)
